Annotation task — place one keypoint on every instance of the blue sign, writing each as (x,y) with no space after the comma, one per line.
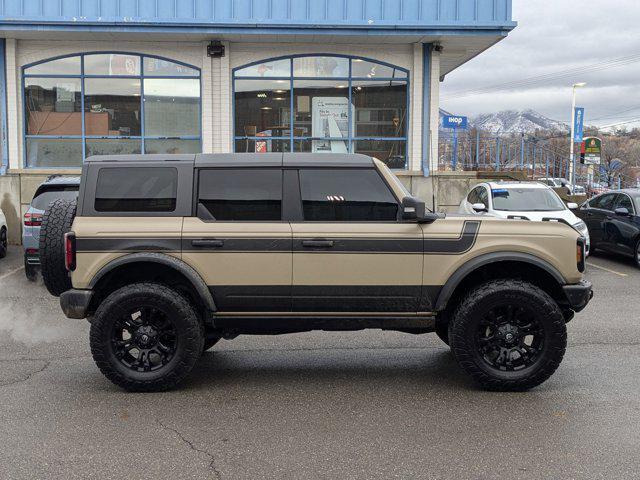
(578,124)
(455,121)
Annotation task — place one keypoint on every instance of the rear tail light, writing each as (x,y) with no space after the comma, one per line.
(32,219)
(31,251)
(580,249)
(70,251)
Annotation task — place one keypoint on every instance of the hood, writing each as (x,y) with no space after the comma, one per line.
(566,215)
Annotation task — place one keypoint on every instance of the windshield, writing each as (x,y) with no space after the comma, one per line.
(636,200)
(526,200)
(42,201)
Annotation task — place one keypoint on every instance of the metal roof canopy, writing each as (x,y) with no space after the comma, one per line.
(464,27)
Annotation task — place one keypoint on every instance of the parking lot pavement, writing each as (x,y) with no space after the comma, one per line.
(319,405)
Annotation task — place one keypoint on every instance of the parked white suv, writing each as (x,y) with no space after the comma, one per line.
(522,201)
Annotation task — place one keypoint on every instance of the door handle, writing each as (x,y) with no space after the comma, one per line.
(207,243)
(317,243)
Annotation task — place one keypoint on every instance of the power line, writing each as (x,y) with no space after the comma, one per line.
(539,79)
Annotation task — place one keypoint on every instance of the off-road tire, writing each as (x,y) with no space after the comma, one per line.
(189,335)
(3,242)
(56,221)
(468,315)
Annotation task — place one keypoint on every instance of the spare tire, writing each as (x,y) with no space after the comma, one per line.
(56,221)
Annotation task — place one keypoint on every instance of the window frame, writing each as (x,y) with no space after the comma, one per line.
(196,193)
(300,206)
(83,137)
(351,138)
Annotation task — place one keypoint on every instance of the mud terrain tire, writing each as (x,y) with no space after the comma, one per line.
(56,221)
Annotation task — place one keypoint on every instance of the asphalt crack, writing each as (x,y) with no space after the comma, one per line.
(192,446)
(28,376)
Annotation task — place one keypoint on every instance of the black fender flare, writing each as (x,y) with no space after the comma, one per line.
(194,277)
(495,257)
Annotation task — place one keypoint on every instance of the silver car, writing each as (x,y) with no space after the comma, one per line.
(55,187)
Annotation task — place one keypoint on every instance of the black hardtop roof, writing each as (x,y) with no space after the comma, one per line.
(221,160)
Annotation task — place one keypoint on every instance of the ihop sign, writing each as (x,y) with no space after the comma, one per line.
(455,121)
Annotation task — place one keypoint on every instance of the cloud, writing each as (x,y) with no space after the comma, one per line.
(554,37)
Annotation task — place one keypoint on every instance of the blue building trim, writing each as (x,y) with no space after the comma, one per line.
(274,14)
(4,164)
(427,48)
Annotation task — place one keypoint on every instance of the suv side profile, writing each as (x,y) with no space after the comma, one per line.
(168,254)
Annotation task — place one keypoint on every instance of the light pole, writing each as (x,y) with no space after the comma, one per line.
(572,159)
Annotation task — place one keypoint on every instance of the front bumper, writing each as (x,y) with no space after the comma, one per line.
(75,303)
(578,295)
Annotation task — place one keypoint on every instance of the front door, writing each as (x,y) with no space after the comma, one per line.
(350,252)
(238,242)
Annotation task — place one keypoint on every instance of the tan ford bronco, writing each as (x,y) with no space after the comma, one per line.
(167,254)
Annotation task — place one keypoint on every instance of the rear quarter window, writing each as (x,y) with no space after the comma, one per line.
(44,196)
(136,189)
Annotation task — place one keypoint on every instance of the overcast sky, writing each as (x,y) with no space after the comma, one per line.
(554,37)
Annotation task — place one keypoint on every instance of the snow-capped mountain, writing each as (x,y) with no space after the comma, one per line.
(511,121)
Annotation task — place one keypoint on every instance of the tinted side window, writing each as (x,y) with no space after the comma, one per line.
(344,195)
(137,189)
(483,197)
(42,200)
(604,202)
(473,196)
(624,202)
(242,194)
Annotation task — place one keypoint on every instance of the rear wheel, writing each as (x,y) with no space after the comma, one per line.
(146,337)
(56,221)
(637,254)
(508,335)
(3,242)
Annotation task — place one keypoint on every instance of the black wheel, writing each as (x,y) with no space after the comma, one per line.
(442,330)
(3,242)
(146,337)
(209,343)
(30,271)
(509,335)
(637,254)
(56,221)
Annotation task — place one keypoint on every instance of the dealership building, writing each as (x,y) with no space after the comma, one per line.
(90,77)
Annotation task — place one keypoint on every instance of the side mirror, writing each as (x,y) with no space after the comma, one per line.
(414,210)
(572,206)
(479,208)
(622,211)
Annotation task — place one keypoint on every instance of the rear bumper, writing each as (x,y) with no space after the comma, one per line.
(75,303)
(32,259)
(578,295)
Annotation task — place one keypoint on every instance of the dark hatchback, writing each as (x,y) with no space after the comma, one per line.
(613,220)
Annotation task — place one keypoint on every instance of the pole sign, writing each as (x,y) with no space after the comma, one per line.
(592,151)
(578,124)
(455,121)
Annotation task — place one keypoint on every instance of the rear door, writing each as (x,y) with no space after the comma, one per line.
(595,215)
(237,240)
(350,252)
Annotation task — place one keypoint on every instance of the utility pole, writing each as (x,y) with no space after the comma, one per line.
(572,158)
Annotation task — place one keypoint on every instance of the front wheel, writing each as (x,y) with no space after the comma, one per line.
(146,337)
(509,335)
(637,254)
(4,243)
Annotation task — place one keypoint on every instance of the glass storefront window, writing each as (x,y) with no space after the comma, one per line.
(53,152)
(126,110)
(112,106)
(380,109)
(274,68)
(172,107)
(112,64)
(52,106)
(332,111)
(262,108)
(64,66)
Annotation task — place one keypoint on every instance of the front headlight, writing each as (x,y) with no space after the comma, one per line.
(582,229)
